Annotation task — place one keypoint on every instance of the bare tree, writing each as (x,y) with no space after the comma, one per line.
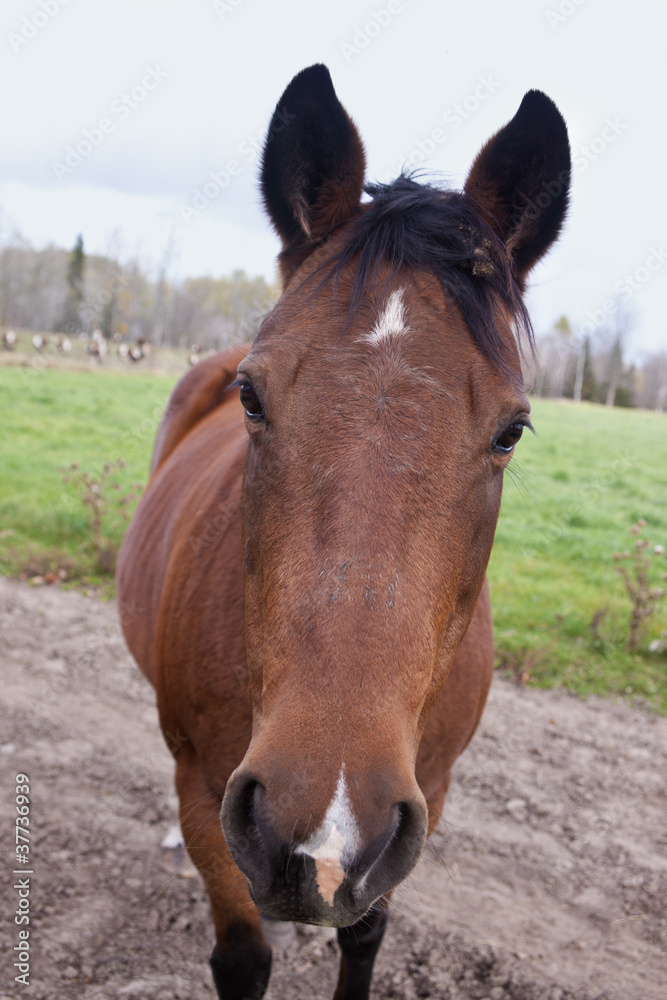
(163,289)
(554,353)
(660,369)
(579,373)
(614,337)
(653,382)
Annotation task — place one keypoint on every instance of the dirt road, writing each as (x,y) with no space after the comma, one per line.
(547,879)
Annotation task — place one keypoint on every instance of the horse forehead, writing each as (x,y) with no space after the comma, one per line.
(391,323)
(412,329)
(305,327)
(405,333)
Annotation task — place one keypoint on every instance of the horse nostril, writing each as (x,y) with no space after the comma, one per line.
(405,820)
(248,796)
(411,830)
(409,836)
(394,853)
(239,819)
(365,861)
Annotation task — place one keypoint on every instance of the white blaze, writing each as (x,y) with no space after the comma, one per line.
(391,321)
(335,841)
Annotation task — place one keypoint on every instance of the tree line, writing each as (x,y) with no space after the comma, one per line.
(594,364)
(56,291)
(53,290)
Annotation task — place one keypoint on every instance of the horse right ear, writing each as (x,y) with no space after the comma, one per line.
(521,179)
(313,164)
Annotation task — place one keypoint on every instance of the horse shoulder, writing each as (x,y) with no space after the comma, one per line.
(182,507)
(203,389)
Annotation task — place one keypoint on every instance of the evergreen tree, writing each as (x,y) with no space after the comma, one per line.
(76,268)
(589,388)
(108,316)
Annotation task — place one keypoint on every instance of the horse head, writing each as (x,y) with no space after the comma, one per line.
(383,401)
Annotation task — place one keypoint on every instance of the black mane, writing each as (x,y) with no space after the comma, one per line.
(408,224)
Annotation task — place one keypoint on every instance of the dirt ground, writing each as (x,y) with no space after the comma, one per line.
(547,879)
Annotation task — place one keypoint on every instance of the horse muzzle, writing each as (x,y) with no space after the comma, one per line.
(334,876)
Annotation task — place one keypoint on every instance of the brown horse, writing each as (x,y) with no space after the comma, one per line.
(305,584)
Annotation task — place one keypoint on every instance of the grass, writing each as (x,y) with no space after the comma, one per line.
(574,492)
(52,419)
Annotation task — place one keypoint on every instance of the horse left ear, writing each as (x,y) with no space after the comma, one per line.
(313,164)
(521,179)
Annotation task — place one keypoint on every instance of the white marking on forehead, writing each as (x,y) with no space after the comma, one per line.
(336,841)
(391,321)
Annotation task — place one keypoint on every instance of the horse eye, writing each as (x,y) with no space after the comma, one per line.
(506,441)
(250,402)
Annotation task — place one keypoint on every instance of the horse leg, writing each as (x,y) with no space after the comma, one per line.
(359,945)
(361,942)
(241,958)
(436,803)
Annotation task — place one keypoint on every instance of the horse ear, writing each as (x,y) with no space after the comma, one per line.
(313,164)
(521,179)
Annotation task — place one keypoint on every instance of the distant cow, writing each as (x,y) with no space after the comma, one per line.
(97,346)
(39,343)
(9,340)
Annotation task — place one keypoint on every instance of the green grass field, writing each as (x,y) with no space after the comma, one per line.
(576,489)
(52,419)
(574,493)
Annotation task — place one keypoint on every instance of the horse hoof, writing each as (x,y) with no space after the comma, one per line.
(174,857)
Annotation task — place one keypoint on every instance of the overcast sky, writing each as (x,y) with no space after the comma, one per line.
(158,94)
